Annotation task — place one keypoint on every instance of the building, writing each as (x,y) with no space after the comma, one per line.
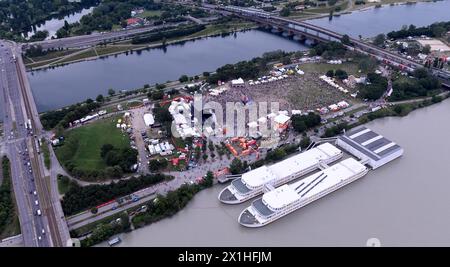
(369,146)
(281,121)
(131,22)
(149,120)
(237,82)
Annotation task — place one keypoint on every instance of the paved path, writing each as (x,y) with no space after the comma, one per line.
(14,241)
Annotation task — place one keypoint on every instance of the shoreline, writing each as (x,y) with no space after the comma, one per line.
(415,104)
(138,48)
(366,8)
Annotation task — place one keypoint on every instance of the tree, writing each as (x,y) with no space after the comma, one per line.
(157,164)
(330,73)
(299,125)
(183,79)
(205,74)
(111,92)
(304,143)
(105,149)
(367,64)
(236,166)
(94,210)
(438,31)
(345,39)
(157,94)
(379,40)
(100,98)
(285,12)
(426,49)
(341,74)
(197,153)
(205,157)
(276,154)
(160,86)
(209,178)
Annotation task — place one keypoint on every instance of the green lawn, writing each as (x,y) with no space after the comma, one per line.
(46,152)
(82,145)
(149,13)
(322,68)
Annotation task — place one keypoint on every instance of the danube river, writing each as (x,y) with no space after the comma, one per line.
(373,21)
(54,88)
(403,203)
(73,83)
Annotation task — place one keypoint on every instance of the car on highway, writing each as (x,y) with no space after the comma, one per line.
(43,231)
(39,238)
(36,202)
(38,212)
(34,193)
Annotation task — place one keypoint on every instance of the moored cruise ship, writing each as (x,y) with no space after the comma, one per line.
(252,183)
(288,198)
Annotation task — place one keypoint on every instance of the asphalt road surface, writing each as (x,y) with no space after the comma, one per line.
(36,205)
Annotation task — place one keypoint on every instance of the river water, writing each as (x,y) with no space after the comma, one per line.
(403,203)
(54,88)
(53,25)
(373,21)
(76,82)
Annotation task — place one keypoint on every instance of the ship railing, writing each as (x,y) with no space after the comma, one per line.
(321,141)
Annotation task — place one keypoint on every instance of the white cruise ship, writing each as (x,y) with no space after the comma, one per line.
(288,198)
(251,183)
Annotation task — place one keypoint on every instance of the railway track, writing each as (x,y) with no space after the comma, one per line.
(41,183)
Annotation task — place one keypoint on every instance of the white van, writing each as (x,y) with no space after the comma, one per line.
(38,212)
(36,202)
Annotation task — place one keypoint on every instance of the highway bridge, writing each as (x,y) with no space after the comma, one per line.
(306,30)
(40,214)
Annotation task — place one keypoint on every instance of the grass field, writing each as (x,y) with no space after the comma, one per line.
(150,13)
(82,145)
(321,68)
(46,152)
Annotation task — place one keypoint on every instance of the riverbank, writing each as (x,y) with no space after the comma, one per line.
(143,218)
(399,184)
(162,206)
(104,51)
(350,7)
(9,220)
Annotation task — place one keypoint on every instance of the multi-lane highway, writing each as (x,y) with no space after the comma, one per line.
(97,38)
(38,214)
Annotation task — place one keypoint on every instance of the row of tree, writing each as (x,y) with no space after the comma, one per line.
(80,198)
(301,123)
(104,231)
(163,35)
(174,201)
(375,87)
(421,85)
(246,69)
(64,116)
(6,202)
(329,50)
(125,158)
(434,30)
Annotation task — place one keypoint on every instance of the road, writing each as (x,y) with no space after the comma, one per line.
(36,206)
(97,38)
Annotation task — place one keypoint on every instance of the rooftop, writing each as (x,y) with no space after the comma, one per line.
(313,184)
(289,166)
(371,144)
